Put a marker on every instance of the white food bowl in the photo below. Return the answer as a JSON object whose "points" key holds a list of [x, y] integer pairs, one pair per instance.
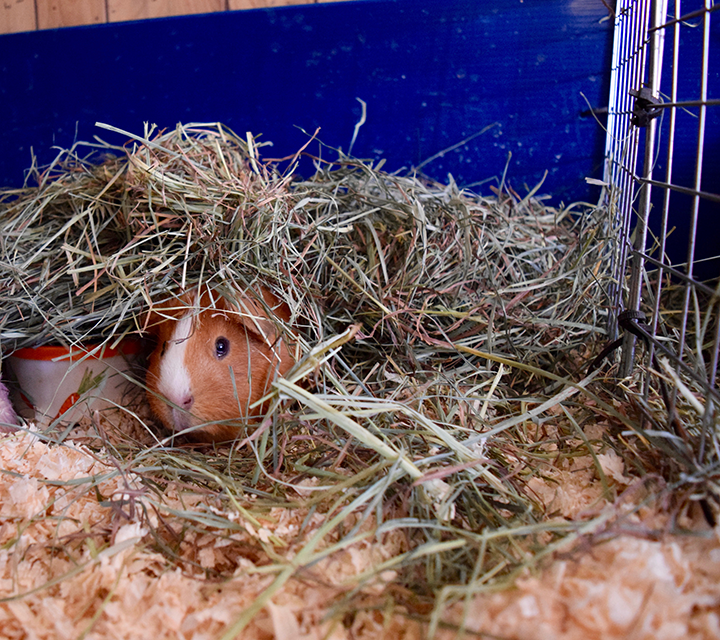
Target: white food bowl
{"points": [[63, 384]]}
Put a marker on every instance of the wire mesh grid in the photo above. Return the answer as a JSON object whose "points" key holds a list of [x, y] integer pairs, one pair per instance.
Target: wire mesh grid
{"points": [[663, 177]]}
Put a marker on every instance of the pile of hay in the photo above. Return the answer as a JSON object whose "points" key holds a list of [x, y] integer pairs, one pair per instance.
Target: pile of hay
{"points": [[415, 262], [426, 449]]}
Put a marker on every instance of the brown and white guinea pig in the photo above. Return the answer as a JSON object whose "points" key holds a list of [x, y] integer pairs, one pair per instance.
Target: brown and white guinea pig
{"points": [[214, 359]]}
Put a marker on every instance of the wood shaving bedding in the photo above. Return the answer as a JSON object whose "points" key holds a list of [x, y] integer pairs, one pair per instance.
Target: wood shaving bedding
{"points": [[78, 563]]}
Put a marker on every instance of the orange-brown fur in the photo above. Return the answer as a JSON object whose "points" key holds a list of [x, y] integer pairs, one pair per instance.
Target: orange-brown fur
{"points": [[258, 353]]}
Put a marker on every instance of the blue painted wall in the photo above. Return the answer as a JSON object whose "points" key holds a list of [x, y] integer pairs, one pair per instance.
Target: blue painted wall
{"points": [[685, 149], [432, 72]]}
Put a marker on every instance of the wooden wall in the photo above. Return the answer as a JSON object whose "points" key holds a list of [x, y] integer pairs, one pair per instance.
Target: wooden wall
{"points": [[31, 15]]}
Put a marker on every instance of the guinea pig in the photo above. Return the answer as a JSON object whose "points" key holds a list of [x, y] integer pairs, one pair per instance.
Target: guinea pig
{"points": [[214, 359]]}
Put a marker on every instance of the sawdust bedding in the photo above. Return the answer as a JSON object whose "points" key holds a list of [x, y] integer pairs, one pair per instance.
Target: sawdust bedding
{"points": [[80, 563]]}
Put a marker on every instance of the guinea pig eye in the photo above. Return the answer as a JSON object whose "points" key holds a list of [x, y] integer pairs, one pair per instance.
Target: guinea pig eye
{"points": [[222, 347]]}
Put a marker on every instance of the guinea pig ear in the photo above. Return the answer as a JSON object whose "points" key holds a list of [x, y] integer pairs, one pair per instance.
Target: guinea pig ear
{"points": [[251, 313], [254, 318]]}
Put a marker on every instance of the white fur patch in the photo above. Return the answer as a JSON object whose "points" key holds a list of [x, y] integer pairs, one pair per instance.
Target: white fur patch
{"points": [[174, 377]]}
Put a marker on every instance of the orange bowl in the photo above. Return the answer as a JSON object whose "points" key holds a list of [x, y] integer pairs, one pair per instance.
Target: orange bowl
{"points": [[63, 384]]}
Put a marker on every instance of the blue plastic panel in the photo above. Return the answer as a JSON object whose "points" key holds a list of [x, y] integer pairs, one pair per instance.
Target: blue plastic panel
{"points": [[432, 73]]}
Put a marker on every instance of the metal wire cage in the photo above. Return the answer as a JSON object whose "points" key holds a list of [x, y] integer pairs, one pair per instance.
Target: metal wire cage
{"points": [[662, 175]]}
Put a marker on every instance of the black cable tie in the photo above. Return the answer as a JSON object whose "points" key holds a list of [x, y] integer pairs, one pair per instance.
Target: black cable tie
{"points": [[633, 321], [645, 108], [627, 320]]}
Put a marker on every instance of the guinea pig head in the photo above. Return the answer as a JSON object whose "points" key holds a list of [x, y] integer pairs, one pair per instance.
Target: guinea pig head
{"points": [[214, 361]]}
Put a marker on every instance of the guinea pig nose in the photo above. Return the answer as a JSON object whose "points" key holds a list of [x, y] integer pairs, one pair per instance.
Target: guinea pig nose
{"points": [[187, 402]]}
